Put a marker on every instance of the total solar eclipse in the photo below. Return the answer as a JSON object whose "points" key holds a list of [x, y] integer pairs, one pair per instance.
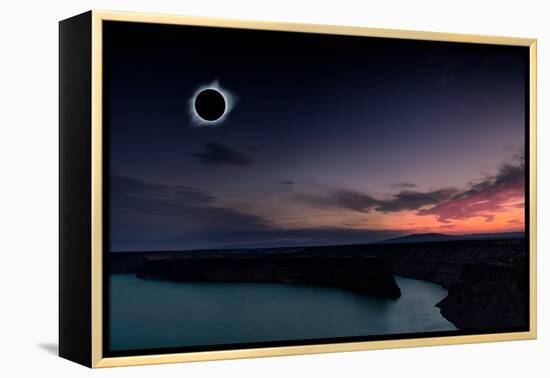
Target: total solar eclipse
{"points": [[210, 105]]}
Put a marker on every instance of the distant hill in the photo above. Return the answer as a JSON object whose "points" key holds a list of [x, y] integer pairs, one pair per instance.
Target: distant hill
{"points": [[435, 237]]}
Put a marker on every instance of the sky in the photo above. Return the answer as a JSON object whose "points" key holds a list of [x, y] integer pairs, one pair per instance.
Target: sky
{"points": [[327, 139]]}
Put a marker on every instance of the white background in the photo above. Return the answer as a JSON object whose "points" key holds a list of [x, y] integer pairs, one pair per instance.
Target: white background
{"points": [[29, 188]]}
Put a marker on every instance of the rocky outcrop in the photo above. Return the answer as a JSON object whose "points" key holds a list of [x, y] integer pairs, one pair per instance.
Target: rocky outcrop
{"points": [[367, 275], [487, 280], [487, 296]]}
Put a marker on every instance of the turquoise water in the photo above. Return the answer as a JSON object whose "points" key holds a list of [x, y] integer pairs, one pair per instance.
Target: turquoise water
{"points": [[155, 314]]}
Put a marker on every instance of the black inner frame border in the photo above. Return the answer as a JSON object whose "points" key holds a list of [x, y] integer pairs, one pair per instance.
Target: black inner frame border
{"points": [[298, 342]]}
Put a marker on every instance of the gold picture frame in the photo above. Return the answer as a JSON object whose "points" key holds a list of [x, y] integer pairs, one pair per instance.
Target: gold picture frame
{"points": [[97, 358]]}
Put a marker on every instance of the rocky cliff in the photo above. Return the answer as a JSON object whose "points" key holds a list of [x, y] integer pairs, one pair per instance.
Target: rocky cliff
{"points": [[487, 279], [488, 296], [367, 275]]}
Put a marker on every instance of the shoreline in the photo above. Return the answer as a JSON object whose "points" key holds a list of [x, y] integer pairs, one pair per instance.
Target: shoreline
{"points": [[485, 279]]}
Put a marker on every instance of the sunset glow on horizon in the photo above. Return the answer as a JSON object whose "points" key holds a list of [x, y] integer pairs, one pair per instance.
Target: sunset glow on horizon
{"points": [[495, 205]]}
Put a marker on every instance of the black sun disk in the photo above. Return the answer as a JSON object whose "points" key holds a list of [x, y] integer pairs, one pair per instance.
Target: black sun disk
{"points": [[210, 104]]}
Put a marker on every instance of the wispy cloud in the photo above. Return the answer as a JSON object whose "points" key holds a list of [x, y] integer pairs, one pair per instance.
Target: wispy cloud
{"points": [[286, 182], [145, 214], [150, 216], [413, 200], [219, 154], [357, 201], [483, 198], [403, 185], [342, 198]]}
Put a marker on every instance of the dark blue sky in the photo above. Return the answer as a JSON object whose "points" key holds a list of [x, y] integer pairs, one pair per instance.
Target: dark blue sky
{"points": [[331, 139]]}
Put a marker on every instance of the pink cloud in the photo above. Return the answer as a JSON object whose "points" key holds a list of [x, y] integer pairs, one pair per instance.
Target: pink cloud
{"points": [[484, 199]]}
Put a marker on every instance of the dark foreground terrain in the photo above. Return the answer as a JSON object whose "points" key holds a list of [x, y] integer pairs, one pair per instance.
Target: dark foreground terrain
{"points": [[486, 279]]}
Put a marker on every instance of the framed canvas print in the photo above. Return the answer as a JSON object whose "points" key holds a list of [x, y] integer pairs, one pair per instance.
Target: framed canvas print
{"points": [[234, 189]]}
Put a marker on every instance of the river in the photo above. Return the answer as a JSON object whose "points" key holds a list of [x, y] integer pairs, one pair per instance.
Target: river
{"points": [[155, 314]]}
